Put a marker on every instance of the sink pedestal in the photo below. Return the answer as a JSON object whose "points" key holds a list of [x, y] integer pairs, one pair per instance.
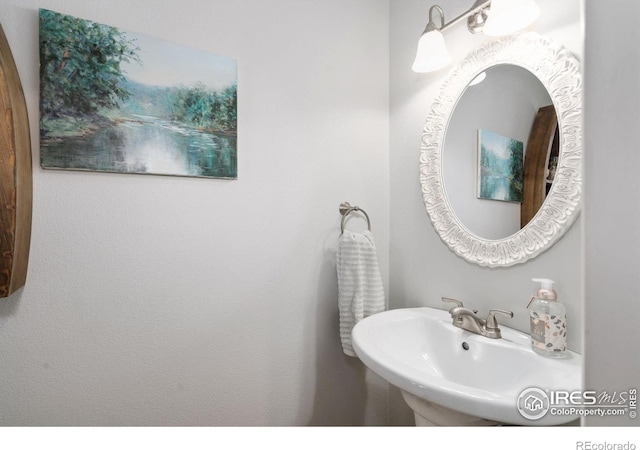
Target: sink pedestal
{"points": [[429, 414]]}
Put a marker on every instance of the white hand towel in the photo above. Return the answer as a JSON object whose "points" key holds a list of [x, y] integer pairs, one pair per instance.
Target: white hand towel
{"points": [[360, 289]]}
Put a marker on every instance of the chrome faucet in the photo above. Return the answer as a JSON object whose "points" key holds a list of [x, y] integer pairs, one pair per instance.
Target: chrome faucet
{"points": [[467, 320]]}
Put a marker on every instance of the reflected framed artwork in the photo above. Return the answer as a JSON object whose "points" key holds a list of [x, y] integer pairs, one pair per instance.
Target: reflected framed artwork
{"points": [[117, 101], [500, 167]]}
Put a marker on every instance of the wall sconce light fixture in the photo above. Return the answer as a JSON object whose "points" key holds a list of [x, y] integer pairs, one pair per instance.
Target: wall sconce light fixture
{"points": [[491, 17]]}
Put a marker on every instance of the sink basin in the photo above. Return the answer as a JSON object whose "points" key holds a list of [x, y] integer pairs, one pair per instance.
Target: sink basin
{"points": [[422, 353]]}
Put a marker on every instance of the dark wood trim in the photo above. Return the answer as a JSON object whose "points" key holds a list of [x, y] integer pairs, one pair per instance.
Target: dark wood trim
{"points": [[536, 160]]}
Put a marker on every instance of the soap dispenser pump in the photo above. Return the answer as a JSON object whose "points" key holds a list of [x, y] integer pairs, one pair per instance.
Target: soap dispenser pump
{"points": [[548, 321]]}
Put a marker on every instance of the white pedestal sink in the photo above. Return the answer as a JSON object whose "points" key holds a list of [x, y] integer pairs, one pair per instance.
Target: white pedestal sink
{"points": [[450, 376]]}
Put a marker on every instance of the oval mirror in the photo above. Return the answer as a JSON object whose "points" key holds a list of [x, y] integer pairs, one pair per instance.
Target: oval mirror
{"points": [[478, 167]]}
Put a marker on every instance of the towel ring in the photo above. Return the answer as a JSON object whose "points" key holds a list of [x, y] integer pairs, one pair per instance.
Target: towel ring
{"points": [[346, 209]]}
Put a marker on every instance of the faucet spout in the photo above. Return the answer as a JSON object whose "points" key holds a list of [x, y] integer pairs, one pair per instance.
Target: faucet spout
{"points": [[467, 320], [461, 311]]}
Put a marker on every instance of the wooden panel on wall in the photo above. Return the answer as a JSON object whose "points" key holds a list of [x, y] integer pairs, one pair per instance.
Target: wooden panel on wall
{"points": [[16, 186]]}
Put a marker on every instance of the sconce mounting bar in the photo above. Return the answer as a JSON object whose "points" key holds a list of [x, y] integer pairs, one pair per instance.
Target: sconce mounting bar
{"points": [[478, 6]]}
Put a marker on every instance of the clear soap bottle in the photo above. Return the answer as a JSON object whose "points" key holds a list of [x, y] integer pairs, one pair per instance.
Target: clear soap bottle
{"points": [[548, 321]]}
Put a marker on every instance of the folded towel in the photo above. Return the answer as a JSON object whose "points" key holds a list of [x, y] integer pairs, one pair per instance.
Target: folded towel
{"points": [[360, 289]]}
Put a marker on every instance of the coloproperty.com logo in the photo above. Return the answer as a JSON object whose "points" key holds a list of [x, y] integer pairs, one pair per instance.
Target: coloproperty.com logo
{"points": [[535, 403]]}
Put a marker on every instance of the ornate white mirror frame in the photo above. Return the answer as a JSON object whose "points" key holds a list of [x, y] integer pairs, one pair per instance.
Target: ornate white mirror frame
{"points": [[559, 72]]}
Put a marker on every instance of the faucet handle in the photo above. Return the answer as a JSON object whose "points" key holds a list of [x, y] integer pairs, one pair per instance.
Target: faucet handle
{"points": [[492, 323], [457, 303]]}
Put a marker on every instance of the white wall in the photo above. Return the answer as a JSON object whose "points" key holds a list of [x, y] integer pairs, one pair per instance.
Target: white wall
{"points": [[612, 209], [423, 269], [154, 300]]}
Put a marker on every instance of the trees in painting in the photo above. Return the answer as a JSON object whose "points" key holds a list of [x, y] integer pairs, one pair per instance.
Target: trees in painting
{"points": [[82, 78], [203, 108], [80, 65]]}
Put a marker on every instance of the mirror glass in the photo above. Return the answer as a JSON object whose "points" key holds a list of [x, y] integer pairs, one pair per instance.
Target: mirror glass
{"points": [[487, 198], [524, 73]]}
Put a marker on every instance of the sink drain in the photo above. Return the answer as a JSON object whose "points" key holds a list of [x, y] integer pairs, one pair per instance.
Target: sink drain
{"points": [[465, 346]]}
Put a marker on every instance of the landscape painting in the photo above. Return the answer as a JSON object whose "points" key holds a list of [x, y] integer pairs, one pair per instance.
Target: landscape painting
{"points": [[500, 167], [116, 101]]}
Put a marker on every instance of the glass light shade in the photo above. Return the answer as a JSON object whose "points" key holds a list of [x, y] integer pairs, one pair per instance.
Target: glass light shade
{"points": [[509, 16], [432, 53]]}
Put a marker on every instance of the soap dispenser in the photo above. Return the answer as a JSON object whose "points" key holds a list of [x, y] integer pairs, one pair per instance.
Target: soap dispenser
{"points": [[548, 321]]}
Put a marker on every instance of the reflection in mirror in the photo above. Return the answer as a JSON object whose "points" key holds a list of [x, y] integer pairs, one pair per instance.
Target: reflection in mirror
{"points": [[558, 72], [541, 162], [506, 103]]}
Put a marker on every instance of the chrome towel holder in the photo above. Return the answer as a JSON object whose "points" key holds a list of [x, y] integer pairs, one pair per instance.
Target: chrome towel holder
{"points": [[346, 209]]}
